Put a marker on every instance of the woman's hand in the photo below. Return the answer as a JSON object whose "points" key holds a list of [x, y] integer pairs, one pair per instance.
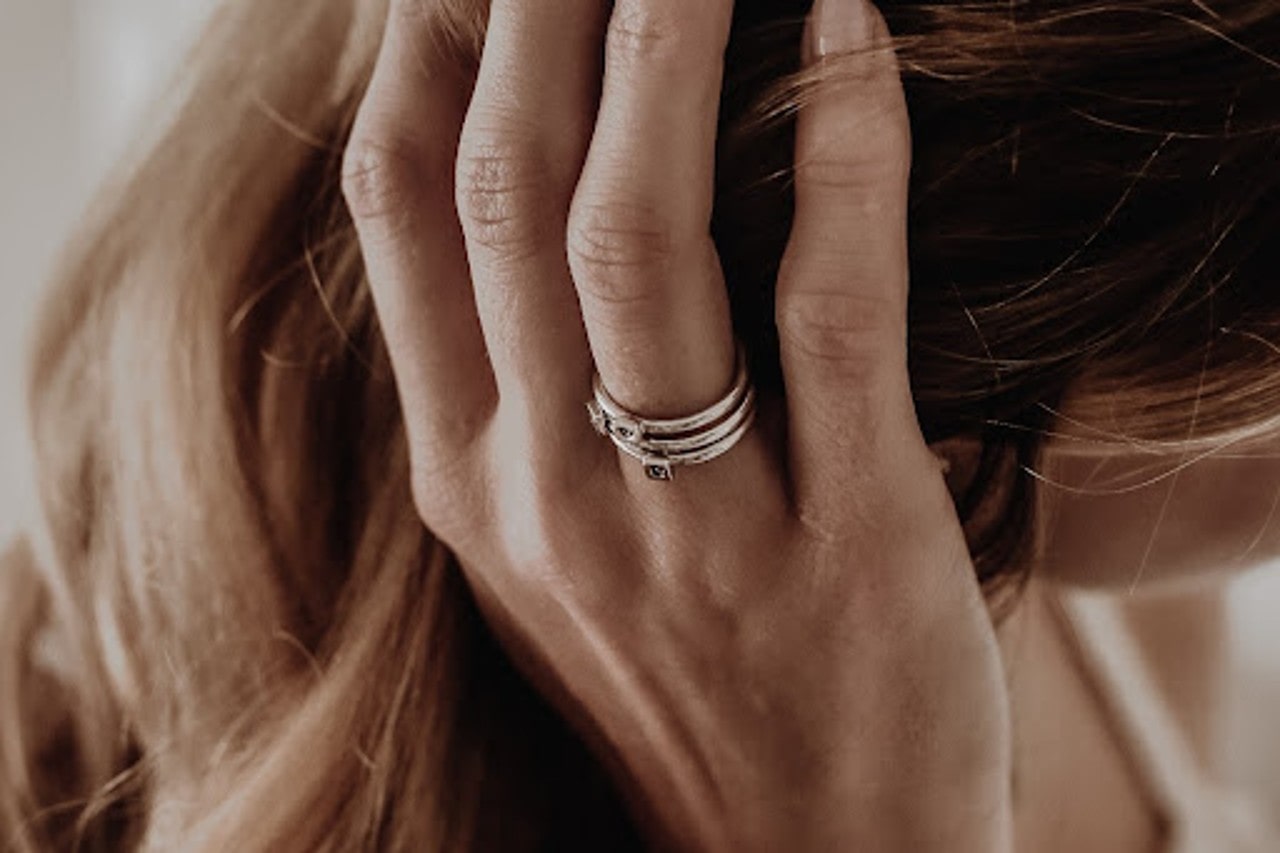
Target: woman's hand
{"points": [[784, 648]]}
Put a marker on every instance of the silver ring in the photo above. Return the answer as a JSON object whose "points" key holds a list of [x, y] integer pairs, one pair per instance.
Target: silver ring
{"points": [[663, 443]]}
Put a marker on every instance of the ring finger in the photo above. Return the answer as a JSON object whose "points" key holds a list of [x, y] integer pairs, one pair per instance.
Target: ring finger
{"points": [[649, 280]]}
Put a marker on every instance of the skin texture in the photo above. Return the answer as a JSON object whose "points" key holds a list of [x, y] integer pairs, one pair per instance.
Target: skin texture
{"points": [[1162, 531], [713, 638], [1167, 519], [1075, 786]]}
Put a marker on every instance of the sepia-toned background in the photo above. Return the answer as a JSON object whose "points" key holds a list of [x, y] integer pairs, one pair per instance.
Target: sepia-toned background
{"points": [[75, 77]]}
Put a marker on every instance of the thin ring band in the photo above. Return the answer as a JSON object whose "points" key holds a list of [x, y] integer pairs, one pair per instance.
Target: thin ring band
{"points": [[675, 426], [678, 446], [695, 457], [660, 444]]}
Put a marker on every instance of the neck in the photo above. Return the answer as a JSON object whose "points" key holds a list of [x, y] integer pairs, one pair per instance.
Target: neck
{"points": [[1076, 785]]}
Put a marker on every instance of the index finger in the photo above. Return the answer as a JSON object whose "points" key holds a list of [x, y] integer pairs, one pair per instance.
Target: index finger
{"points": [[398, 181]]}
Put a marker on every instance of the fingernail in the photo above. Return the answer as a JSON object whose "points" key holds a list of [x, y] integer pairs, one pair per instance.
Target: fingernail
{"points": [[839, 26]]}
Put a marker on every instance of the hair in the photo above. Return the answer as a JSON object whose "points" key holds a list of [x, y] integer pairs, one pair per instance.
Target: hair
{"points": [[230, 631]]}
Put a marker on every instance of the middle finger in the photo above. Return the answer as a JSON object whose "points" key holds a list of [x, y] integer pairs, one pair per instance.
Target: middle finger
{"points": [[522, 148]]}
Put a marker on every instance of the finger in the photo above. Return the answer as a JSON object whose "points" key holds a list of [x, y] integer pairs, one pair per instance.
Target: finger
{"points": [[397, 178], [523, 146], [652, 291], [842, 289]]}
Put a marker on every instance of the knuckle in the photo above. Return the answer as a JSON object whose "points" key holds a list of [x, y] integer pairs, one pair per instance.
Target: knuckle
{"points": [[869, 148], [639, 33], [617, 250], [384, 174], [443, 457], [503, 189], [843, 335], [452, 506], [854, 169], [530, 520], [547, 548], [831, 170]]}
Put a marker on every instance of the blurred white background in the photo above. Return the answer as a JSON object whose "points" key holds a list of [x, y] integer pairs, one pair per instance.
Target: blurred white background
{"points": [[74, 76]]}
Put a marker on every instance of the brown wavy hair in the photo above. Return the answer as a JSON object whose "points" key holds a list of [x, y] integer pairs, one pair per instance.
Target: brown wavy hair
{"points": [[229, 630]]}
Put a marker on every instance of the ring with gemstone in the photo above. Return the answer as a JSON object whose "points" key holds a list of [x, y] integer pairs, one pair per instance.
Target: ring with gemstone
{"points": [[661, 444]]}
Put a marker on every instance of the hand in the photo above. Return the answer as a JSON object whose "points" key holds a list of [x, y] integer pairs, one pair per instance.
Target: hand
{"points": [[785, 648]]}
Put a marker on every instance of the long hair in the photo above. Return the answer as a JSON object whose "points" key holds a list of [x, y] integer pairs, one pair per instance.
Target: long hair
{"points": [[229, 630]]}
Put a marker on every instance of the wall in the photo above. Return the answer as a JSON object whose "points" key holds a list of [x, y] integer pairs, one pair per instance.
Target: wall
{"points": [[74, 74]]}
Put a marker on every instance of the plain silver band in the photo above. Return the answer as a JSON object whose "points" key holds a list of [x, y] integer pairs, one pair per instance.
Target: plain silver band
{"points": [[673, 447], [655, 427]]}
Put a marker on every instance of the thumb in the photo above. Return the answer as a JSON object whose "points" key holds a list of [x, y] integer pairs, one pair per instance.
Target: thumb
{"points": [[842, 287]]}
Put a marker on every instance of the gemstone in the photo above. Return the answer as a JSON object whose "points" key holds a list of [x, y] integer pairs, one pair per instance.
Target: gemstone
{"points": [[624, 429], [659, 471], [598, 419]]}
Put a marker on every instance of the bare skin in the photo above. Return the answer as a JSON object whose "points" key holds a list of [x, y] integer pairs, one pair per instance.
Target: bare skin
{"points": [[1183, 515], [786, 648], [1076, 788], [715, 637], [1163, 535], [1079, 789]]}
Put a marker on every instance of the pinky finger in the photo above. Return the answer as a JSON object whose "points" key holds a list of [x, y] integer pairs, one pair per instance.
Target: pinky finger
{"points": [[842, 289]]}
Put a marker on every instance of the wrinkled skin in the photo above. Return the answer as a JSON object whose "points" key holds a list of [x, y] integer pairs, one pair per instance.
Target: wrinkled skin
{"points": [[784, 648]]}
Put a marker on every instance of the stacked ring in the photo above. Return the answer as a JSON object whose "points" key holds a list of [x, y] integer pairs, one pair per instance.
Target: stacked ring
{"points": [[663, 443]]}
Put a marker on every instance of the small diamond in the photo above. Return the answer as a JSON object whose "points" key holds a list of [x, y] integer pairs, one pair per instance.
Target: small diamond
{"points": [[598, 419], [624, 429], [659, 471]]}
